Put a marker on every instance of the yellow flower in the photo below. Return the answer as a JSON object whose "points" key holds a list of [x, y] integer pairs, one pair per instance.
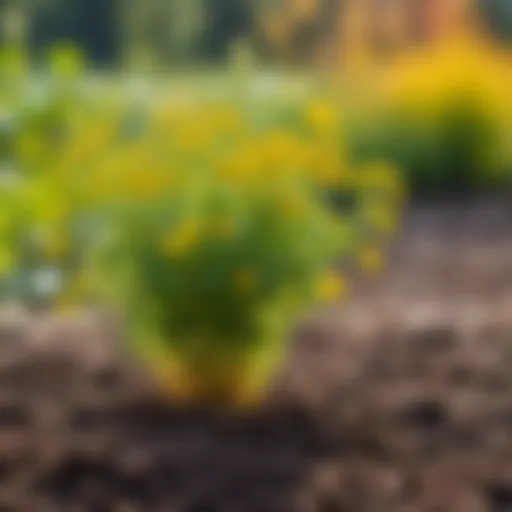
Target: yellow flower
{"points": [[322, 116], [246, 280], [107, 178], [180, 241], [193, 136], [329, 169], [280, 148], [371, 260], [145, 183], [226, 119], [331, 287], [164, 116]]}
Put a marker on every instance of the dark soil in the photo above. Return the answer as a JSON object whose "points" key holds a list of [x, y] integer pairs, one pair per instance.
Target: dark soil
{"points": [[399, 401]]}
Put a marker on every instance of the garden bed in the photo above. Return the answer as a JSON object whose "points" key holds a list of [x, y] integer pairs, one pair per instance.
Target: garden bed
{"points": [[400, 400]]}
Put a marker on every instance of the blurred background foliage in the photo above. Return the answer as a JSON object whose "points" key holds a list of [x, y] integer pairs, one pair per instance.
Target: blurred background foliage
{"points": [[202, 30], [464, 146]]}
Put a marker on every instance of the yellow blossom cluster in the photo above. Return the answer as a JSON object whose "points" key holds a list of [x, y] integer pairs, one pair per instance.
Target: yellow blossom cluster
{"points": [[444, 114], [211, 225]]}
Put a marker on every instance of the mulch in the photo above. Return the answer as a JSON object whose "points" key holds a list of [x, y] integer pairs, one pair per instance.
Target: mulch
{"points": [[400, 400]]}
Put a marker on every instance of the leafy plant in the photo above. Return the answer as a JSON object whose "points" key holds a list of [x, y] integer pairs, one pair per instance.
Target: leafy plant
{"points": [[213, 226], [218, 239]]}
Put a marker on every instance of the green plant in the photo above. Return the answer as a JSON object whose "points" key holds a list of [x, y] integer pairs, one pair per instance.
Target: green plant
{"points": [[209, 224], [217, 241]]}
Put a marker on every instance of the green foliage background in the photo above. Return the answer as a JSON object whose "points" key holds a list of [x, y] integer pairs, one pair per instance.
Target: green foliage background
{"points": [[178, 30]]}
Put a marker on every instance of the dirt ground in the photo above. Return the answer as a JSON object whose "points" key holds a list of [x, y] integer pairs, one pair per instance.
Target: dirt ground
{"points": [[400, 400]]}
